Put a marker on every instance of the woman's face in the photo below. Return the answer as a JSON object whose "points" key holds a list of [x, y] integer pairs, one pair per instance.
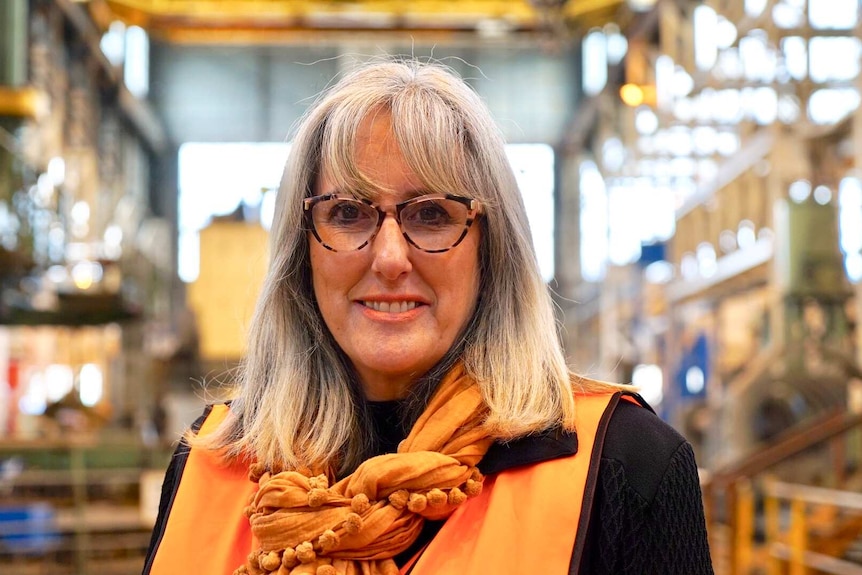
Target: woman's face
{"points": [[392, 308]]}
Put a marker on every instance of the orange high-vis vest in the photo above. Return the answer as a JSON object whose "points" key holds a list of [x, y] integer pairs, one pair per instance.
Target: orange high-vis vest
{"points": [[207, 531], [529, 519]]}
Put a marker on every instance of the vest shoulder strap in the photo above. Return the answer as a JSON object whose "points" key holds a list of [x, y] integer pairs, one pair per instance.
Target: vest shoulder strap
{"points": [[206, 530], [530, 519]]}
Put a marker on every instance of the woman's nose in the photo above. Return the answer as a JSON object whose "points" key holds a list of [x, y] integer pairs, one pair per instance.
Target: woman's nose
{"points": [[391, 251]]}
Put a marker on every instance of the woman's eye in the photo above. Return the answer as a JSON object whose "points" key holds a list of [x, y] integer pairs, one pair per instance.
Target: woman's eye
{"points": [[345, 212], [431, 214]]}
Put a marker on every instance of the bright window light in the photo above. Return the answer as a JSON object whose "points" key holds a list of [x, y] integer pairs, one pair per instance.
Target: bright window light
{"points": [[705, 37], [853, 265], [639, 212], [213, 180], [799, 191], [682, 167], [760, 104], [788, 108], [659, 272], [593, 222], [646, 121], [754, 8], [677, 141], [688, 266], [641, 5], [695, 380], [646, 145], [834, 59], [595, 62], [90, 384], [664, 81], [788, 16], [705, 140], [831, 105], [267, 208], [727, 143], [729, 66], [613, 154], [136, 70], [726, 33], [623, 220], [850, 194], [617, 44], [850, 215], [113, 43], [707, 262], [57, 170], [650, 381], [34, 400], [189, 255], [534, 169], [707, 170], [745, 234], [795, 52], [59, 380], [683, 83], [758, 60], [822, 195], [725, 106], [833, 14]]}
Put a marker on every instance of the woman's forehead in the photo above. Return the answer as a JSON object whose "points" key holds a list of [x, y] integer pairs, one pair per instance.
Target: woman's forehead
{"points": [[380, 186], [355, 145]]}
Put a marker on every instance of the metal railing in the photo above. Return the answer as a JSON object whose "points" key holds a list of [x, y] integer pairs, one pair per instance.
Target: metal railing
{"points": [[759, 524], [788, 535]]}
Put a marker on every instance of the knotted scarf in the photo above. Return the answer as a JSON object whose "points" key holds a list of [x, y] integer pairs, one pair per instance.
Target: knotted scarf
{"points": [[305, 526]]}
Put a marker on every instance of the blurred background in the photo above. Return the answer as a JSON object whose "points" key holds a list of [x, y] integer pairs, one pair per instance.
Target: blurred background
{"points": [[692, 173]]}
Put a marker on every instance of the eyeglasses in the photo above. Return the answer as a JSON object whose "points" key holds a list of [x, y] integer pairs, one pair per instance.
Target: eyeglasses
{"points": [[434, 223]]}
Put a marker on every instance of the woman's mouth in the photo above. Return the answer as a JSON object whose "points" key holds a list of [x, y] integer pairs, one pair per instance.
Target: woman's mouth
{"points": [[390, 306]]}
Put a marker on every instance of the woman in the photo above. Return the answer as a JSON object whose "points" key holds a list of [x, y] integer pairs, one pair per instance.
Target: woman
{"points": [[405, 405]]}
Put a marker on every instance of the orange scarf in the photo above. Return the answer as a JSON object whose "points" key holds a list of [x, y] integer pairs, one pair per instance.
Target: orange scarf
{"points": [[356, 526]]}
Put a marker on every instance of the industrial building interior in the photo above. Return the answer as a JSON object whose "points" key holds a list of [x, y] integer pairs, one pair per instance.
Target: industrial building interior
{"points": [[694, 171]]}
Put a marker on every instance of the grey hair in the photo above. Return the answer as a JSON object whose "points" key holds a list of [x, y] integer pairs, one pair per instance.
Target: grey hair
{"points": [[297, 403]]}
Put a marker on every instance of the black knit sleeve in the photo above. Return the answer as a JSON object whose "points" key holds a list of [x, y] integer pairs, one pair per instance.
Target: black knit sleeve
{"points": [[647, 517]]}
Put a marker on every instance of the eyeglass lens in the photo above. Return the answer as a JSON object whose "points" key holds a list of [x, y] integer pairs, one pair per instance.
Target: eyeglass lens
{"points": [[431, 224]]}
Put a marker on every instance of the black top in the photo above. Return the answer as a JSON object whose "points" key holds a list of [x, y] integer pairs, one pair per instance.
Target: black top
{"points": [[647, 516], [648, 512]]}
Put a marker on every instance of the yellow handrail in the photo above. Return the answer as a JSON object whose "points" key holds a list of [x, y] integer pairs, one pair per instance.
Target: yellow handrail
{"points": [[791, 545], [730, 494], [798, 537], [744, 533]]}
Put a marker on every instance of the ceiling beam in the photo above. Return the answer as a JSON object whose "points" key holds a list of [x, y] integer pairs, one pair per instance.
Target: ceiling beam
{"points": [[267, 21]]}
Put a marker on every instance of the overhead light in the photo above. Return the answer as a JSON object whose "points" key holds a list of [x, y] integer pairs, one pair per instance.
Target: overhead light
{"points": [[493, 27], [635, 95], [641, 5], [632, 95]]}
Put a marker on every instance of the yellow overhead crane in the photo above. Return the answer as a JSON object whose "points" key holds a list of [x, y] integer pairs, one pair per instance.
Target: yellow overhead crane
{"points": [[266, 21]]}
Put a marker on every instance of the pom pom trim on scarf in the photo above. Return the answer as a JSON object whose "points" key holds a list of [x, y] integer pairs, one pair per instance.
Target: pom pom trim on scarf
{"points": [[306, 526]]}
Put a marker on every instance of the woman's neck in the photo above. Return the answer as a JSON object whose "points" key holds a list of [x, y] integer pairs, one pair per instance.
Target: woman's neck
{"points": [[386, 425]]}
